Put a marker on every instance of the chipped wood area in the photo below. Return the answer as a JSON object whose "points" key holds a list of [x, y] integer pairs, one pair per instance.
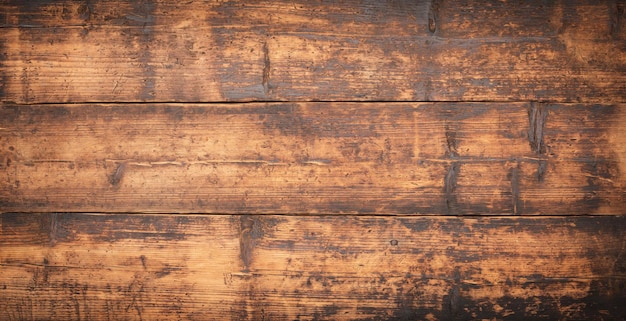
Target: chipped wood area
{"points": [[307, 160], [133, 267], [463, 50], [389, 158]]}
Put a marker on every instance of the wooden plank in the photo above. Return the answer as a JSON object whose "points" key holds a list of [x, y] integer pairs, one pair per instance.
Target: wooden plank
{"points": [[354, 158], [159, 51], [162, 267]]}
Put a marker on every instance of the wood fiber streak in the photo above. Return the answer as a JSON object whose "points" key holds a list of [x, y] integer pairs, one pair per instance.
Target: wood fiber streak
{"points": [[148, 267], [121, 51], [402, 158]]}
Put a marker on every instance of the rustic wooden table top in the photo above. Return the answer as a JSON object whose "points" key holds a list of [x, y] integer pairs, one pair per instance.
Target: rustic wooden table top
{"points": [[309, 160]]}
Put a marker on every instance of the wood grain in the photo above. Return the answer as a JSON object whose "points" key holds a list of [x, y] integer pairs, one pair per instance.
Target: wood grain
{"points": [[352, 158], [163, 267], [215, 51], [412, 160]]}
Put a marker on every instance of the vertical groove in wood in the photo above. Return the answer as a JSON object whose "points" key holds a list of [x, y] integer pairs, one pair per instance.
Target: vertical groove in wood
{"points": [[537, 116]]}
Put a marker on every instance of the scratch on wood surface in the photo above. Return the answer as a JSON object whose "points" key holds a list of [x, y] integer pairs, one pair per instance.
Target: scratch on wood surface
{"points": [[320, 162], [210, 162], [266, 69], [514, 178]]}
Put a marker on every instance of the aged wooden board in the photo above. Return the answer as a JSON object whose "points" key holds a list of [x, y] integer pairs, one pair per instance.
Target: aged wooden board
{"points": [[162, 267], [122, 51], [379, 158]]}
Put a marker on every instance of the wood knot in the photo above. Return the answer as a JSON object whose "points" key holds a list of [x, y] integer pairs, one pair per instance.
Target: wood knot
{"points": [[117, 175], [432, 16]]}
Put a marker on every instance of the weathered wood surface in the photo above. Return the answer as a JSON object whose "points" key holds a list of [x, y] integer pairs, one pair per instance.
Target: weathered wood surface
{"points": [[378, 158], [529, 119], [298, 50], [155, 267]]}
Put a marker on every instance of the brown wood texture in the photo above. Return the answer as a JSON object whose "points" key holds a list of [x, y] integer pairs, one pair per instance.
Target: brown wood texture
{"points": [[352, 158], [312, 160], [296, 50], [162, 267]]}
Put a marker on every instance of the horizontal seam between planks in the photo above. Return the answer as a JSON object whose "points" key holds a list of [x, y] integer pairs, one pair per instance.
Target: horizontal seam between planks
{"points": [[429, 216], [609, 101]]}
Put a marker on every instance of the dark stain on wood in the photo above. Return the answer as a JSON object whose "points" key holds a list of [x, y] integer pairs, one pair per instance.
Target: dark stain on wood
{"points": [[4, 78], [116, 177], [176, 113], [605, 296], [9, 112], [452, 304], [449, 188], [451, 148], [25, 229], [541, 170], [615, 23], [251, 231], [408, 306], [53, 229], [537, 116], [166, 271], [142, 20], [514, 178], [433, 16], [310, 121], [84, 11], [267, 69], [60, 112], [103, 228]]}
